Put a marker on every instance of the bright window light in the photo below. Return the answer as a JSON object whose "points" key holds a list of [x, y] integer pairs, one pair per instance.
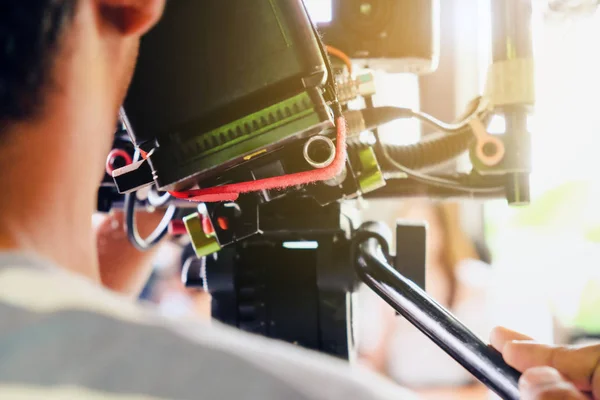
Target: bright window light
{"points": [[320, 10], [497, 125], [301, 245], [562, 225], [399, 90]]}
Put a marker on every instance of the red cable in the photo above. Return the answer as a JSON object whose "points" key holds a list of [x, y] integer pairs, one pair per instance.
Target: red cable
{"points": [[232, 191], [177, 228], [113, 155]]}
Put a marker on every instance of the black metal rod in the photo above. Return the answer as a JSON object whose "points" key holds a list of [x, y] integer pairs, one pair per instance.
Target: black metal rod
{"points": [[481, 360], [512, 38], [396, 188]]}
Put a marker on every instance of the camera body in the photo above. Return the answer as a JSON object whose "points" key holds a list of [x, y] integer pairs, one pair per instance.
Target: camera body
{"points": [[218, 84], [392, 35], [230, 93], [241, 81]]}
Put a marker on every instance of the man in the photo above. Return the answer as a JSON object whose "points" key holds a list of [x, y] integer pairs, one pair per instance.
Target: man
{"points": [[64, 69], [65, 66]]}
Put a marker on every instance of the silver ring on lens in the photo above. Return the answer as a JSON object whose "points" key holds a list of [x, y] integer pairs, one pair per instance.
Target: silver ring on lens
{"points": [[319, 151]]}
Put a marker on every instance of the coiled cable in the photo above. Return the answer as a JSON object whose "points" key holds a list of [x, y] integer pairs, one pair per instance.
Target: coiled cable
{"points": [[424, 154], [409, 159]]}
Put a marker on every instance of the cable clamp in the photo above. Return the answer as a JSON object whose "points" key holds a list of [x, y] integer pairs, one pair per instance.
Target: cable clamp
{"points": [[490, 150]]}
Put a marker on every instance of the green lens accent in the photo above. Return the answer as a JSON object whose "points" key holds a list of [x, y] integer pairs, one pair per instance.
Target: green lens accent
{"points": [[203, 244], [371, 177], [251, 126]]}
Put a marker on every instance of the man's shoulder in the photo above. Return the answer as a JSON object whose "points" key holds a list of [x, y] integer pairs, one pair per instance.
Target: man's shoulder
{"points": [[57, 330]]}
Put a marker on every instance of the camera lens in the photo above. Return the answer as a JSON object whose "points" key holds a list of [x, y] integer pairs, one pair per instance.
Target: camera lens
{"points": [[368, 18]]}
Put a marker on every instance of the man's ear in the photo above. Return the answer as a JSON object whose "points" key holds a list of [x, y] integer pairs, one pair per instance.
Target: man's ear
{"points": [[131, 17]]}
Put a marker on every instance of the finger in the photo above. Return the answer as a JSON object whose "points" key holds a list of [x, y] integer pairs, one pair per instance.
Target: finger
{"points": [[500, 336], [577, 364], [545, 383], [523, 355]]}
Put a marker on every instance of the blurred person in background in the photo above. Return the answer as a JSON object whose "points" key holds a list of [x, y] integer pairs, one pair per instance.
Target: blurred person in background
{"points": [[456, 278]]}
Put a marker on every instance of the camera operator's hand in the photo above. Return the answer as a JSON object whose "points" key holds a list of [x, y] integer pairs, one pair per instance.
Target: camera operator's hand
{"points": [[551, 372], [123, 268]]}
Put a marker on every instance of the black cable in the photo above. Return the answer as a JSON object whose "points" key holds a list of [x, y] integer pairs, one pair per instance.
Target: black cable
{"points": [[434, 180], [331, 84], [387, 114], [427, 153], [132, 232], [402, 187], [432, 152], [377, 116], [424, 154]]}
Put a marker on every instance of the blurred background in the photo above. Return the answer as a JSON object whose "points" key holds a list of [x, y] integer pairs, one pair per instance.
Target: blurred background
{"points": [[534, 269]]}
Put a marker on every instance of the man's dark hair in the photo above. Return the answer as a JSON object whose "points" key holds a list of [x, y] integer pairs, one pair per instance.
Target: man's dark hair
{"points": [[30, 32]]}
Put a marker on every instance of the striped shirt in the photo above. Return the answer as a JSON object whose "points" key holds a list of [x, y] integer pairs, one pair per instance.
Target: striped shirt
{"points": [[63, 337]]}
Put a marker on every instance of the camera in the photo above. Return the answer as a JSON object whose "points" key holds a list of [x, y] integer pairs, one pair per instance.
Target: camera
{"points": [[241, 121], [242, 80], [390, 35]]}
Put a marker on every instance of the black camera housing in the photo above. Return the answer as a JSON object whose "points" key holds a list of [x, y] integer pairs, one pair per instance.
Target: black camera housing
{"points": [[393, 35], [221, 82]]}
